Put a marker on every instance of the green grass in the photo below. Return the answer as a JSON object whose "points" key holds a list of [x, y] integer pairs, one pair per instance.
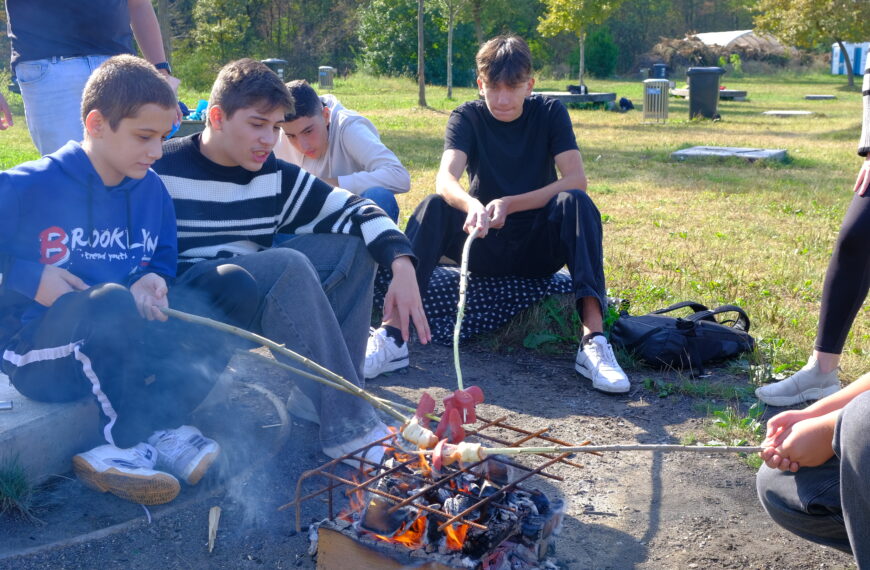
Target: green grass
{"points": [[758, 235], [16, 492]]}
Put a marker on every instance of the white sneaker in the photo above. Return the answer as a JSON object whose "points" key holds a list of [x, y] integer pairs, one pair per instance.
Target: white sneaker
{"points": [[808, 383], [185, 452], [596, 361], [126, 473], [299, 405], [373, 454], [383, 355]]}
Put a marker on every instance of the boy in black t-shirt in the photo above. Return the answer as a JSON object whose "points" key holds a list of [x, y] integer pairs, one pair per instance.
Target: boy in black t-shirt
{"points": [[532, 219]]}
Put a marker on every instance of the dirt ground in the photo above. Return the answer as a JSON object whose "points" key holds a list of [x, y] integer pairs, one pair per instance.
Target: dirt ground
{"points": [[627, 510]]}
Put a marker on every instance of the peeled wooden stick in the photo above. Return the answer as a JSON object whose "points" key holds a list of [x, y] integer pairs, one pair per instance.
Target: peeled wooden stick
{"points": [[280, 348], [467, 452], [460, 308]]}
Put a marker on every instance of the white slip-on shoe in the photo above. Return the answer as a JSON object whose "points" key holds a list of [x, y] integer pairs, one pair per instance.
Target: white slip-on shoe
{"points": [[597, 362], [373, 454], [808, 383]]}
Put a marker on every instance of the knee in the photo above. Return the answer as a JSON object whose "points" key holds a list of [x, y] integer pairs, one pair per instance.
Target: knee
{"points": [[769, 485], [110, 298], [854, 425]]}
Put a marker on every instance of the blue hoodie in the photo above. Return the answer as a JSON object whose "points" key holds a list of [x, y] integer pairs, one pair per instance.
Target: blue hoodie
{"points": [[56, 210]]}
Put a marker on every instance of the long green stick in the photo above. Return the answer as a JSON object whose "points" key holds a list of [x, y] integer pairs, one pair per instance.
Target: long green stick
{"points": [[487, 451], [281, 349], [460, 308]]}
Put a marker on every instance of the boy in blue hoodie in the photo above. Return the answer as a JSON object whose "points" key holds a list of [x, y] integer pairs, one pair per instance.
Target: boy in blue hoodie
{"points": [[87, 253]]}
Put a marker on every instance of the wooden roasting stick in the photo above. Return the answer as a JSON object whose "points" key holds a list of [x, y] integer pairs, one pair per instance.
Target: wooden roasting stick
{"points": [[460, 308]]}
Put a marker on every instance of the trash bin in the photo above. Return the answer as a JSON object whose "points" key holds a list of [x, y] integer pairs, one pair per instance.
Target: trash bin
{"points": [[655, 99], [276, 65], [659, 71], [325, 74], [704, 91]]}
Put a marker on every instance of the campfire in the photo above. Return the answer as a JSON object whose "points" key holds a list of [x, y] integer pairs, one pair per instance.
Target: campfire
{"points": [[413, 510]]}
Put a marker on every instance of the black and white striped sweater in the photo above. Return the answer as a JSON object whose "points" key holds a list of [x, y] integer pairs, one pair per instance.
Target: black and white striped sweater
{"points": [[227, 211]]}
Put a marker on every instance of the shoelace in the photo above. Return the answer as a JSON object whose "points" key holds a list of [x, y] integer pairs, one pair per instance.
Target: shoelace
{"points": [[604, 352], [141, 454]]}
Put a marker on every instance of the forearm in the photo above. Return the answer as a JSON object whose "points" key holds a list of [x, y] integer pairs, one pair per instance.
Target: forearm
{"points": [[146, 30], [449, 188], [393, 177], [539, 198], [838, 400]]}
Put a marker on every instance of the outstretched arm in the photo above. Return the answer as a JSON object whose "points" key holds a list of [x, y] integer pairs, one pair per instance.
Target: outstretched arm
{"points": [[5, 114], [402, 303], [447, 185]]}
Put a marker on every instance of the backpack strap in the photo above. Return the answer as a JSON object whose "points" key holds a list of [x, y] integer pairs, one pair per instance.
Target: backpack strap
{"points": [[697, 307], [741, 322]]}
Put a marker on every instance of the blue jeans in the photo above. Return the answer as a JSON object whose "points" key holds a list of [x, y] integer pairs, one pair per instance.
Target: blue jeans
{"points": [[52, 93], [385, 199], [809, 503], [314, 294]]}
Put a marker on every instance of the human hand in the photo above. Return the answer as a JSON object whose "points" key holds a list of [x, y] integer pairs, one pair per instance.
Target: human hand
{"points": [[5, 114], [478, 217], [863, 180], [402, 303], [497, 210], [55, 282], [149, 292], [807, 443]]}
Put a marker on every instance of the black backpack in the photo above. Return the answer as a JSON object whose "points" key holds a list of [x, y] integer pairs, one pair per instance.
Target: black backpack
{"points": [[687, 342]]}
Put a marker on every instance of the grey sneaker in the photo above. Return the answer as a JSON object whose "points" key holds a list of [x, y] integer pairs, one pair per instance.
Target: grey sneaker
{"points": [[383, 354], [596, 361], [299, 405], [805, 385], [184, 452], [126, 473]]}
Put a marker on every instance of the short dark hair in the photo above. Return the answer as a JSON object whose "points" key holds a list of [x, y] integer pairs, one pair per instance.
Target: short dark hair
{"points": [[249, 83], [305, 98], [121, 86], [504, 59]]}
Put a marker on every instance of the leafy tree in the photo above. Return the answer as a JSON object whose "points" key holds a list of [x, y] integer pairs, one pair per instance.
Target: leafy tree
{"points": [[601, 56], [809, 23], [222, 28], [575, 16]]}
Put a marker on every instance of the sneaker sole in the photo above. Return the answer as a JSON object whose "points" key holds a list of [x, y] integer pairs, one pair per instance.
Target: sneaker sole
{"points": [[805, 396], [197, 472], [607, 388], [391, 367], [154, 489]]}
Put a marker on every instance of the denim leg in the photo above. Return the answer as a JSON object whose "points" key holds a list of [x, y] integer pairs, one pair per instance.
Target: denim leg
{"points": [[853, 448], [52, 94], [385, 199], [806, 503], [295, 310]]}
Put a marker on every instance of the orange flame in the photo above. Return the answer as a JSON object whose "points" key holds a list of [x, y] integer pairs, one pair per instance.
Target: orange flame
{"points": [[355, 503], [425, 468], [411, 538], [456, 536]]}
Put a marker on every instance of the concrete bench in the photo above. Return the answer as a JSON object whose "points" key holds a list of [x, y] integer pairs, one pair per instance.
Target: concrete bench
{"points": [[724, 94], [567, 97], [720, 152]]}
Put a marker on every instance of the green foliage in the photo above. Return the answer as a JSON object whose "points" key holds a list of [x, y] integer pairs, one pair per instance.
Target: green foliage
{"points": [[16, 492], [736, 64], [731, 427], [810, 23], [388, 32], [601, 53], [558, 323]]}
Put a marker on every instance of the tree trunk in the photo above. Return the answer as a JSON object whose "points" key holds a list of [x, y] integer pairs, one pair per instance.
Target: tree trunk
{"points": [[450, 18], [165, 28], [848, 61], [478, 24], [582, 36], [421, 55]]}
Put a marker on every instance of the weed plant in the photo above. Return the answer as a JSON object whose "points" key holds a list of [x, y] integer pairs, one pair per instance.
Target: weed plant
{"points": [[16, 492]]}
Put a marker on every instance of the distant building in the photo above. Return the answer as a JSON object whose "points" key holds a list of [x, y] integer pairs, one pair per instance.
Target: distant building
{"points": [[857, 55], [743, 39]]}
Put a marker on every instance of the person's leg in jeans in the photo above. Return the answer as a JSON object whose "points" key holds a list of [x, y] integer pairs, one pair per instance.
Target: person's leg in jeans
{"points": [[852, 446], [806, 503], [295, 310], [385, 199], [52, 93]]}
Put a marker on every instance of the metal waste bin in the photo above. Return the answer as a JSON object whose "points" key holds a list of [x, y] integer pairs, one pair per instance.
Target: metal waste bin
{"points": [[276, 65], [325, 74], [704, 91], [655, 99], [659, 71]]}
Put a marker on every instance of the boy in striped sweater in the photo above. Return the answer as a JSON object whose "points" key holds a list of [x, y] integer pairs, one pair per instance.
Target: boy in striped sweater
{"points": [[232, 197]]}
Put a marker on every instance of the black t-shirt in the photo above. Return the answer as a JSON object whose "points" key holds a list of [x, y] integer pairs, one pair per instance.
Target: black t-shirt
{"points": [[40, 29], [506, 159]]}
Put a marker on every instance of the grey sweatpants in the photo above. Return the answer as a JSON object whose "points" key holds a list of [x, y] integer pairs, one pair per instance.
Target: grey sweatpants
{"points": [[828, 504]]}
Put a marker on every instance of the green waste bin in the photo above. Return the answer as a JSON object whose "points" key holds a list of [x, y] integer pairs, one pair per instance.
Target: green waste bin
{"points": [[704, 91], [276, 65]]}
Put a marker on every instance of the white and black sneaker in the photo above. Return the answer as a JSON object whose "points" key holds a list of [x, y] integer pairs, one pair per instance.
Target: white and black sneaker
{"points": [[185, 452], [126, 473], [596, 361], [383, 354]]}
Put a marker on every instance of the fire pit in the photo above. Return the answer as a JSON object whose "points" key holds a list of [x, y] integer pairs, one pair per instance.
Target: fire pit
{"points": [[401, 512]]}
